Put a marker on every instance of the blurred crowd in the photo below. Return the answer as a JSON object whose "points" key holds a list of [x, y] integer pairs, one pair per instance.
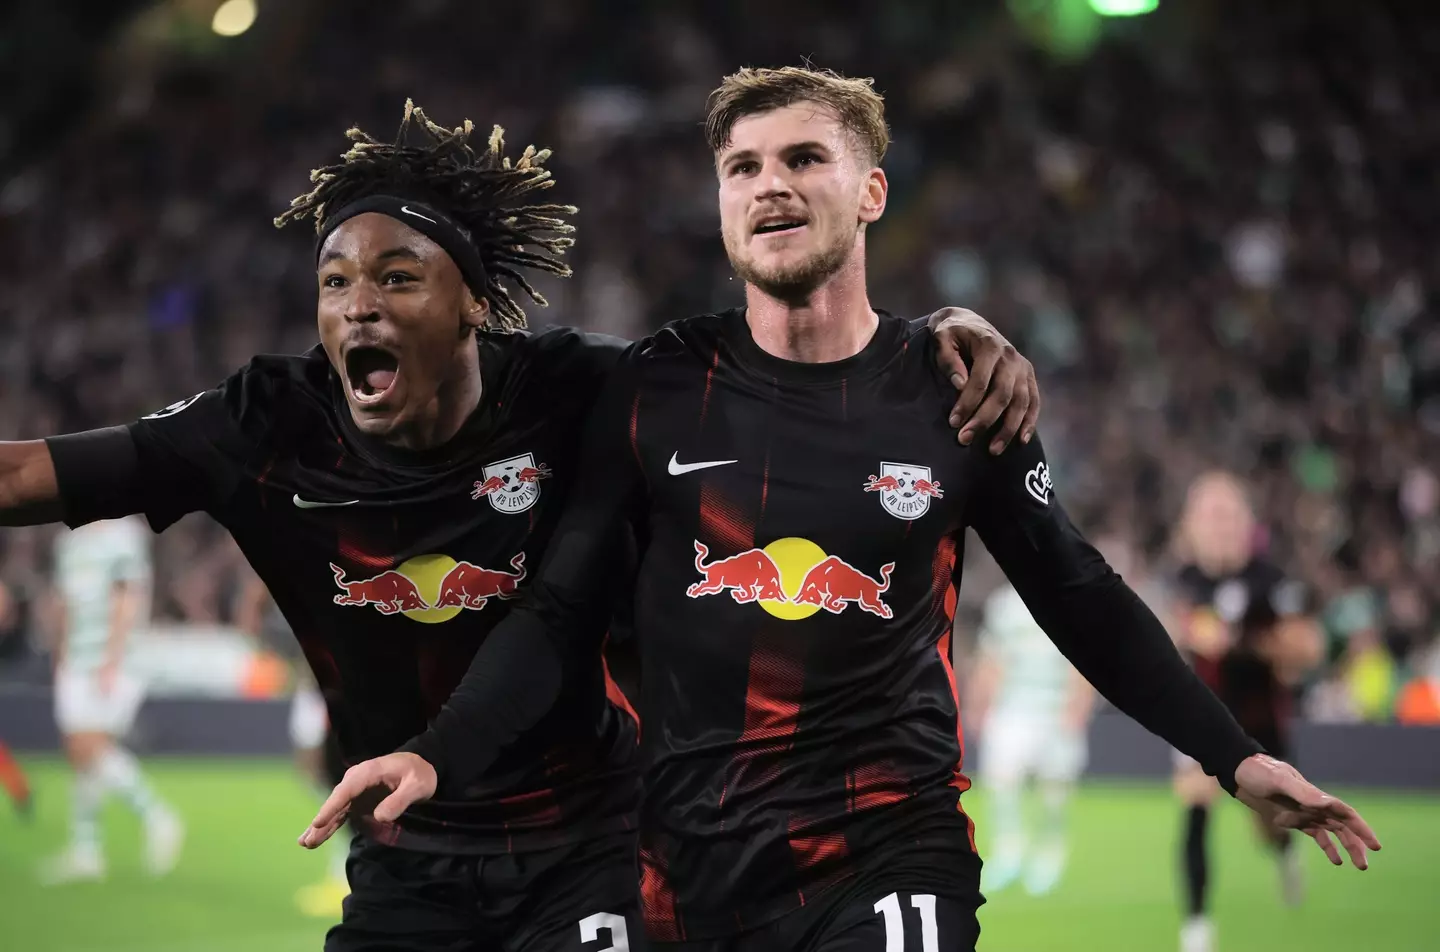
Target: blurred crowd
{"points": [[1215, 235]]}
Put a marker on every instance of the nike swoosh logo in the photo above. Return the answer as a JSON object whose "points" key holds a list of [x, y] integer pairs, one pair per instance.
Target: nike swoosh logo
{"points": [[678, 468], [406, 210], [307, 504]]}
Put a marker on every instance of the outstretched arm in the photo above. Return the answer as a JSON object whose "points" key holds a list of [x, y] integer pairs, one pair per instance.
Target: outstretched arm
{"points": [[1094, 618], [29, 492], [185, 458], [1122, 649]]}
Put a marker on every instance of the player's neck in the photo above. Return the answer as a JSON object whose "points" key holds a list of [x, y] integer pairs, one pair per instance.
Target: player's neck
{"points": [[455, 400], [830, 323]]}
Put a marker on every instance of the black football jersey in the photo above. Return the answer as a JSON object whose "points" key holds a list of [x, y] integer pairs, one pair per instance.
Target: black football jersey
{"points": [[391, 567], [801, 530], [1229, 612], [1244, 602]]}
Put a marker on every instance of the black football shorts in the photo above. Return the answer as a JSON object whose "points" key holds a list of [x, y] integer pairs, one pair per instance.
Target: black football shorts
{"points": [[580, 897], [899, 903]]}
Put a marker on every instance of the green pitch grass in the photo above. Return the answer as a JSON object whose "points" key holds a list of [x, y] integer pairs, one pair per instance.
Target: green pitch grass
{"points": [[234, 889]]}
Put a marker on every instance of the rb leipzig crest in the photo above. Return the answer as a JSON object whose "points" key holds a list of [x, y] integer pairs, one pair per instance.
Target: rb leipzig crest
{"points": [[905, 490], [512, 485]]}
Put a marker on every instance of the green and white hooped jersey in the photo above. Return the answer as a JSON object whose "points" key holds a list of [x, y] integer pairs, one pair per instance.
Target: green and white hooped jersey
{"points": [[1035, 677], [89, 563]]}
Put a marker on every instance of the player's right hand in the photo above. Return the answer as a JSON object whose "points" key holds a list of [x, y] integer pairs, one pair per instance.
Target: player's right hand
{"points": [[408, 777]]}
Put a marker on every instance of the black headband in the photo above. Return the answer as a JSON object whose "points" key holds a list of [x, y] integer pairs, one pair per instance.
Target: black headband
{"points": [[423, 218]]}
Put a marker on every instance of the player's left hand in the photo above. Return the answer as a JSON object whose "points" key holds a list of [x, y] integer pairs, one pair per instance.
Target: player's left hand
{"points": [[998, 380], [1285, 799], [408, 777]]}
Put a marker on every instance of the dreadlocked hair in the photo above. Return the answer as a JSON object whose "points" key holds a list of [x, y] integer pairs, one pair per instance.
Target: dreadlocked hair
{"points": [[478, 190]]}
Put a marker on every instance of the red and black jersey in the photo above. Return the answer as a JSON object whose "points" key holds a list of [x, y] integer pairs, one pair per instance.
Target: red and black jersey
{"points": [[1244, 603], [800, 530], [392, 567], [793, 615]]}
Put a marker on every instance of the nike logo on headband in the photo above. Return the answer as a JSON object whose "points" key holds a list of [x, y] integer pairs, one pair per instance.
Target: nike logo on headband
{"points": [[406, 210]]}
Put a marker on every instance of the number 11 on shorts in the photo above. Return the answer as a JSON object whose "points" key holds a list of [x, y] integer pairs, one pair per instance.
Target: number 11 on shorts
{"points": [[889, 907]]}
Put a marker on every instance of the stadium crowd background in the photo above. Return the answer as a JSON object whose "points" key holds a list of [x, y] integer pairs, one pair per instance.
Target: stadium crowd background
{"points": [[1215, 234]]}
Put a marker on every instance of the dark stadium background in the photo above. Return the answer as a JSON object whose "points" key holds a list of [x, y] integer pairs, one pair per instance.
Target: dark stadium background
{"points": [[1213, 228]]}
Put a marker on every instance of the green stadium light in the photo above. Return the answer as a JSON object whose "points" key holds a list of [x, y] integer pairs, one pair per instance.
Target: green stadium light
{"points": [[1123, 8]]}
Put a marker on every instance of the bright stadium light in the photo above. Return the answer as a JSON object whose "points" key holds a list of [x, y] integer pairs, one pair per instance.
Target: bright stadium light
{"points": [[1123, 8], [233, 17]]}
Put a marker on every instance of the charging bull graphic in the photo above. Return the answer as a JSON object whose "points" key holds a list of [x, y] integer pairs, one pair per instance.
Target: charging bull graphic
{"points": [[791, 578], [470, 586], [431, 588]]}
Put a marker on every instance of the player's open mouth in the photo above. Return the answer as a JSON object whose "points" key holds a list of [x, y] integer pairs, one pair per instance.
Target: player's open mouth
{"points": [[780, 227], [372, 371]]}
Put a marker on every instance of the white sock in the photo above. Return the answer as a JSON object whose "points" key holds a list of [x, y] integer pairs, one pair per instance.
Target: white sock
{"points": [[85, 799], [1054, 796], [1007, 813], [121, 775]]}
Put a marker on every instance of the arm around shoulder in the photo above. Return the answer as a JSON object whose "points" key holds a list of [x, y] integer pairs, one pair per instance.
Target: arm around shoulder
{"points": [[1094, 618]]}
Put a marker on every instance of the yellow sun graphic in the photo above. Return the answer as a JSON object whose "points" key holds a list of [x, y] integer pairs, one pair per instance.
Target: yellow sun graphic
{"points": [[427, 572], [794, 557]]}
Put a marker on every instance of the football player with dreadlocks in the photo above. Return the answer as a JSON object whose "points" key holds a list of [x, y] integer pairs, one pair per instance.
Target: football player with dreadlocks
{"points": [[393, 488]]}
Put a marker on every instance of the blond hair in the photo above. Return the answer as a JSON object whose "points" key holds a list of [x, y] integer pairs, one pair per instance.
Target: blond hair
{"points": [[745, 92]]}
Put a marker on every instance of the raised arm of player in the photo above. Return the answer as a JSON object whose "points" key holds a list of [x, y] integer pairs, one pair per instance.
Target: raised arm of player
{"points": [[82, 477], [184, 458], [519, 671], [29, 494], [1116, 642]]}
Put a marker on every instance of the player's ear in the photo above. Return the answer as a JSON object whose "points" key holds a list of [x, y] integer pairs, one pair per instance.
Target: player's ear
{"points": [[474, 313], [875, 188]]}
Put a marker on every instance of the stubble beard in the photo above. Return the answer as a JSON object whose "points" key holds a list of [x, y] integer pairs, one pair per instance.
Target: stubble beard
{"points": [[794, 282]]}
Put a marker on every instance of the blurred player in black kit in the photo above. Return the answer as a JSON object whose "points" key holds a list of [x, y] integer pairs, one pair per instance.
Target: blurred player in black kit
{"points": [[394, 488], [800, 503], [1244, 624]]}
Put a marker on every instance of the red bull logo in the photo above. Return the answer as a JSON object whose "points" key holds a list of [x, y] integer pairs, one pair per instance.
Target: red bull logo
{"points": [[791, 578], [470, 586], [835, 583], [389, 592], [750, 576], [430, 588]]}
